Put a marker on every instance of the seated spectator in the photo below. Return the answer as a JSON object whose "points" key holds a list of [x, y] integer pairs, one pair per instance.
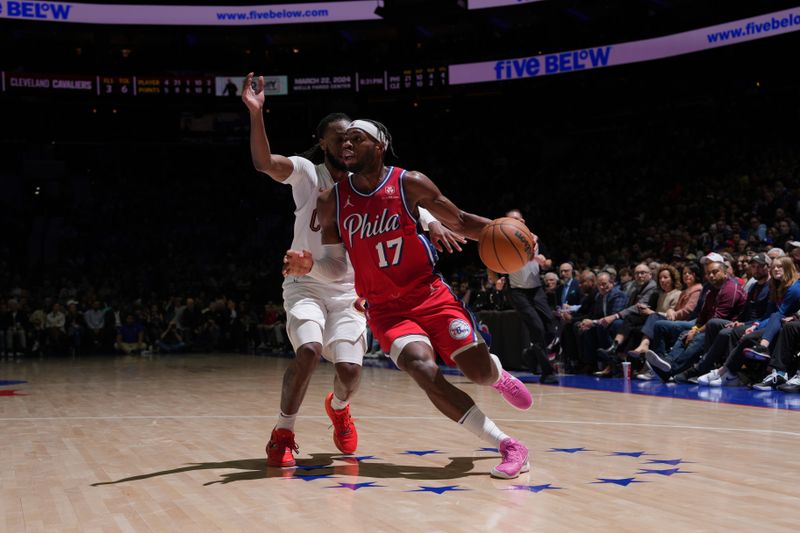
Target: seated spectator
{"points": [[774, 253], [154, 324], [272, 329], [722, 336], [95, 320], [594, 333], [74, 327], [687, 302], [568, 294], [785, 234], [248, 321], [625, 281], [16, 329], [54, 326], [170, 341], [486, 296], [551, 289], [189, 321], [725, 300], [784, 294], [666, 299], [130, 336], [37, 321], [569, 332], [641, 298]]}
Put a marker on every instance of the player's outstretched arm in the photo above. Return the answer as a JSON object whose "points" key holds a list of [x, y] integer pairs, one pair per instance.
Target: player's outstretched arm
{"points": [[276, 166], [421, 191]]}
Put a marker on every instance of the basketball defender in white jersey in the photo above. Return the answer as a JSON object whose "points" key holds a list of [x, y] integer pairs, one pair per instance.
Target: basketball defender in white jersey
{"points": [[322, 318]]}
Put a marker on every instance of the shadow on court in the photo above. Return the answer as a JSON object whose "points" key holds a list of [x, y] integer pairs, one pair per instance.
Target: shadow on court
{"points": [[323, 465]]}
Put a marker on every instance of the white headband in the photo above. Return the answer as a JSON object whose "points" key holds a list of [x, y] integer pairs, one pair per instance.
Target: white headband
{"points": [[370, 129]]}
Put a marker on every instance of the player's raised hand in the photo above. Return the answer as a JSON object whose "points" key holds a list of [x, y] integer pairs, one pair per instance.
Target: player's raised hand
{"points": [[253, 98], [297, 263], [444, 238]]}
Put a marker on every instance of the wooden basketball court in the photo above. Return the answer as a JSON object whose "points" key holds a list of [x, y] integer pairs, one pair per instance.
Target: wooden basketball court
{"points": [[177, 444]]}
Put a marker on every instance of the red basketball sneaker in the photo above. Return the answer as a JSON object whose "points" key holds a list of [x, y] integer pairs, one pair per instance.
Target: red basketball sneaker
{"points": [[345, 436], [280, 447]]}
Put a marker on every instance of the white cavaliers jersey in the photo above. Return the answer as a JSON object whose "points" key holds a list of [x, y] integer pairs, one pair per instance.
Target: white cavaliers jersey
{"points": [[308, 181]]}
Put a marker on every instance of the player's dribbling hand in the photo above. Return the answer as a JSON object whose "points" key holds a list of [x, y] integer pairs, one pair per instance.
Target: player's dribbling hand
{"points": [[297, 263], [253, 98], [444, 238]]}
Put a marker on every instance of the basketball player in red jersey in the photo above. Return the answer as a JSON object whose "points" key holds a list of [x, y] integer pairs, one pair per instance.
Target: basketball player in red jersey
{"points": [[321, 318], [414, 314]]}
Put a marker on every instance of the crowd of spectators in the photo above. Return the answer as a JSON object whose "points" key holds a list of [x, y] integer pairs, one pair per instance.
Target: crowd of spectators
{"points": [[88, 324]]}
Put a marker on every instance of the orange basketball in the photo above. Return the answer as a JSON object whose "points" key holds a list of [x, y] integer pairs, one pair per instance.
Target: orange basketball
{"points": [[506, 245]]}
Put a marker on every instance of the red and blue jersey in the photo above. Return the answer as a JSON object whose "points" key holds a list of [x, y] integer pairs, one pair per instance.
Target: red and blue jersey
{"points": [[391, 258]]}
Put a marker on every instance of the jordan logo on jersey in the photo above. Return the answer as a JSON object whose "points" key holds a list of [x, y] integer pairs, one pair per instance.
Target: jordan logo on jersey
{"points": [[359, 223], [347, 202]]}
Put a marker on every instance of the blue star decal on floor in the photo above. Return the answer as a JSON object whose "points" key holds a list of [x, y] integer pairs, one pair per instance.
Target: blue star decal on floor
{"points": [[568, 450], [495, 450], [359, 458], [356, 486], [312, 467], [673, 462], [666, 472], [629, 454], [420, 452], [437, 490], [624, 482], [311, 477], [533, 488]]}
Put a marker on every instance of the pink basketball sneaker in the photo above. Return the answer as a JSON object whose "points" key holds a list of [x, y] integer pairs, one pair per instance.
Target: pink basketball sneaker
{"points": [[514, 391], [515, 460]]}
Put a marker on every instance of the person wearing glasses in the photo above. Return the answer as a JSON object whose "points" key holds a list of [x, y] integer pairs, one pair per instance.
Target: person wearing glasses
{"points": [[639, 300]]}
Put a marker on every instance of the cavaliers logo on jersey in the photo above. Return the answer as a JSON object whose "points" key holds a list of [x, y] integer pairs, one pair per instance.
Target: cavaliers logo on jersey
{"points": [[460, 329], [314, 224]]}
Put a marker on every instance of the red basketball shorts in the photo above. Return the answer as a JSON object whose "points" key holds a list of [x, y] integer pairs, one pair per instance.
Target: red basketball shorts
{"points": [[441, 317]]}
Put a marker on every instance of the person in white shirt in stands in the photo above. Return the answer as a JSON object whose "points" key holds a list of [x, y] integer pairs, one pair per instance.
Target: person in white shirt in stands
{"points": [[322, 318], [528, 297]]}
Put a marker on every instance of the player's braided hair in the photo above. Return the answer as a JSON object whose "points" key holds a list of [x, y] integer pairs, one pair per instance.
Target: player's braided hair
{"points": [[314, 153], [383, 129]]}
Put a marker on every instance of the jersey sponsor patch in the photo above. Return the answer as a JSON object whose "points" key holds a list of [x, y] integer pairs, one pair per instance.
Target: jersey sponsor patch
{"points": [[460, 329]]}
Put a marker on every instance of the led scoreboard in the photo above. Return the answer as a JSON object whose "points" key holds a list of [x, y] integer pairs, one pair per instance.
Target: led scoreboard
{"points": [[417, 78], [380, 81], [115, 85], [174, 85], [404, 79]]}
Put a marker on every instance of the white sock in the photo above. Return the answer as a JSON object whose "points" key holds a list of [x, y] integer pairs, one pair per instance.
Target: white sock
{"points": [[286, 421], [479, 424], [498, 366], [338, 404]]}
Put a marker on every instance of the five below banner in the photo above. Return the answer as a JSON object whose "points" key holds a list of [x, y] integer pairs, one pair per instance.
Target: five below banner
{"points": [[57, 11], [739, 31]]}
